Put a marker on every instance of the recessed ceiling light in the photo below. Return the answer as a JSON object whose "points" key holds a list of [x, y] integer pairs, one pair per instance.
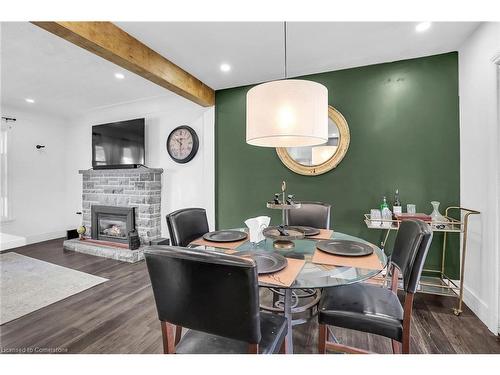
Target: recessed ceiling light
{"points": [[422, 26], [225, 67], [29, 100], [119, 76]]}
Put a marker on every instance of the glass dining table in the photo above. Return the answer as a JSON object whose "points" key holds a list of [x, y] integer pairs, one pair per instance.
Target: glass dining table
{"points": [[312, 275]]}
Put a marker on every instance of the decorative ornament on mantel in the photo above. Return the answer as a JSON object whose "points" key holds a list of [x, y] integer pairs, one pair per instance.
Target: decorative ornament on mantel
{"points": [[81, 231], [287, 113]]}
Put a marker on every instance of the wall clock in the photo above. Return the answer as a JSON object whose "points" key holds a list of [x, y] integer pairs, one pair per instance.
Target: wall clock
{"points": [[182, 144]]}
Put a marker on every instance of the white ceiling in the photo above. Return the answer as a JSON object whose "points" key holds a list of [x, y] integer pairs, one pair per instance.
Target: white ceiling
{"points": [[255, 50], [63, 79], [67, 80]]}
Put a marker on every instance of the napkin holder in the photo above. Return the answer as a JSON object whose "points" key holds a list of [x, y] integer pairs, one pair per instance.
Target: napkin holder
{"points": [[255, 226]]}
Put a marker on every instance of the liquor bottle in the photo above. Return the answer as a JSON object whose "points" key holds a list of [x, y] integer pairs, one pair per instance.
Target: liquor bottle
{"points": [[386, 214], [396, 208], [384, 204]]}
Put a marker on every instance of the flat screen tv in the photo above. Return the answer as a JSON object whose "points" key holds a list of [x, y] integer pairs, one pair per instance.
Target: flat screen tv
{"points": [[118, 144]]}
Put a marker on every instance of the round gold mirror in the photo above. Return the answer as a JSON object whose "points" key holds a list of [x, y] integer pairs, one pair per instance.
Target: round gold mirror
{"points": [[315, 160]]}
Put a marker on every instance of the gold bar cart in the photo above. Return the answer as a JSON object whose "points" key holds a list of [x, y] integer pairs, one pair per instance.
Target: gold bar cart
{"points": [[440, 283]]}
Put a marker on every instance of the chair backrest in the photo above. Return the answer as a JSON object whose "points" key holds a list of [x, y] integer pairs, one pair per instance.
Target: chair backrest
{"points": [[206, 291], [187, 225], [410, 250], [310, 214]]}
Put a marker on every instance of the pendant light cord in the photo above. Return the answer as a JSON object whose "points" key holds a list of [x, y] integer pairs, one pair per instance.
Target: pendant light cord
{"points": [[285, 32]]}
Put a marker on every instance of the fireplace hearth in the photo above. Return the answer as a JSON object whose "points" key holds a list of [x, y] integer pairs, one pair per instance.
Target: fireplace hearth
{"points": [[110, 223]]}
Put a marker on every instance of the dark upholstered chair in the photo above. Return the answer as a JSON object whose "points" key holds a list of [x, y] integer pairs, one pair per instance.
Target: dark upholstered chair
{"points": [[374, 309], [187, 225], [215, 296], [310, 214]]}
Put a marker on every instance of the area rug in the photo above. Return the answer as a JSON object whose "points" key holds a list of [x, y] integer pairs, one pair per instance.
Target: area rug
{"points": [[28, 284]]}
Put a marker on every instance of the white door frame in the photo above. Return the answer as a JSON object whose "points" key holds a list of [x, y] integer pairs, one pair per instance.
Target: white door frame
{"points": [[496, 60]]}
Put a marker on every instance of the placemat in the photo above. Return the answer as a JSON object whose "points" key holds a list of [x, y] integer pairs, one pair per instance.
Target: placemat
{"points": [[283, 278], [286, 276], [370, 262], [221, 245], [324, 234]]}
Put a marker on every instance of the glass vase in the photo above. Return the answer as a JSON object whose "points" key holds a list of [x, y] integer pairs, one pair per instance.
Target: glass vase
{"points": [[438, 220]]}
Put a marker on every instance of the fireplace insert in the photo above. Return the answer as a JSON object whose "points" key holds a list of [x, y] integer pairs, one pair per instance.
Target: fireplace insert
{"points": [[111, 223]]}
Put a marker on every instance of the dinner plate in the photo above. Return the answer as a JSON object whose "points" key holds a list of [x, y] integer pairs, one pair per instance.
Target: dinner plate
{"points": [[308, 231], [345, 248], [267, 262], [225, 236]]}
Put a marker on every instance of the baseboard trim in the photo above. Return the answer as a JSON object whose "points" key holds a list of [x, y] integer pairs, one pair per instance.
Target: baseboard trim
{"points": [[480, 308], [23, 241], [45, 236], [12, 243]]}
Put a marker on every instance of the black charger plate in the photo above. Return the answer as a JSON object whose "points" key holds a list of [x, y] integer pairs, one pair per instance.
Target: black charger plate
{"points": [[225, 236], [345, 248], [267, 262]]}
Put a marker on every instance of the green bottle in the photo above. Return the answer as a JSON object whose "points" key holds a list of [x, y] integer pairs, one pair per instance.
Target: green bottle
{"points": [[384, 204]]}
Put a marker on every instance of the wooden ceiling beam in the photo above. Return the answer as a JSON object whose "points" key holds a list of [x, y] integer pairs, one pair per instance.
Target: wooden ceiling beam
{"points": [[108, 41]]}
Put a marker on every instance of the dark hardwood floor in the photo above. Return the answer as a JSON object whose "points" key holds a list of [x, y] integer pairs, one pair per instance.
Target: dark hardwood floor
{"points": [[119, 316]]}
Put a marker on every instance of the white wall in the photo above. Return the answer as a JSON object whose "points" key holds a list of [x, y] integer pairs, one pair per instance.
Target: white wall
{"points": [[479, 169], [46, 189], [183, 185], [36, 178]]}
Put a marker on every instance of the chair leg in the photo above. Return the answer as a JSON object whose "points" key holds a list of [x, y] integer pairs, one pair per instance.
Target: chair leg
{"points": [[396, 347], [284, 347], [253, 349], [167, 331], [178, 334], [406, 345], [407, 322], [322, 339]]}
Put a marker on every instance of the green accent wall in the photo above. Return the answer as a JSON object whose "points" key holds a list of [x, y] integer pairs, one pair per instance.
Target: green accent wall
{"points": [[404, 122]]}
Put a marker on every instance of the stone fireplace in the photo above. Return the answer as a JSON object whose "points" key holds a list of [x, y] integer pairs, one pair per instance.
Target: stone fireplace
{"points": [[138, 188], [114, 201]]}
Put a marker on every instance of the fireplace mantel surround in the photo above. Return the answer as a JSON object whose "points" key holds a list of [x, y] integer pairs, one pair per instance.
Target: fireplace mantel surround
{"points": [[135, 187]]}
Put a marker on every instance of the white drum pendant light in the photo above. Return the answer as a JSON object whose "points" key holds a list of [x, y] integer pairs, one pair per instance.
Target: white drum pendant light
{"points": [[287, 113]]}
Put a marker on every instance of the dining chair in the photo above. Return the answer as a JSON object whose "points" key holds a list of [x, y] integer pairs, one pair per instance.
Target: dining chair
{"points": [[186, 225], [310, 214], [215, 296], [376, 309]]}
